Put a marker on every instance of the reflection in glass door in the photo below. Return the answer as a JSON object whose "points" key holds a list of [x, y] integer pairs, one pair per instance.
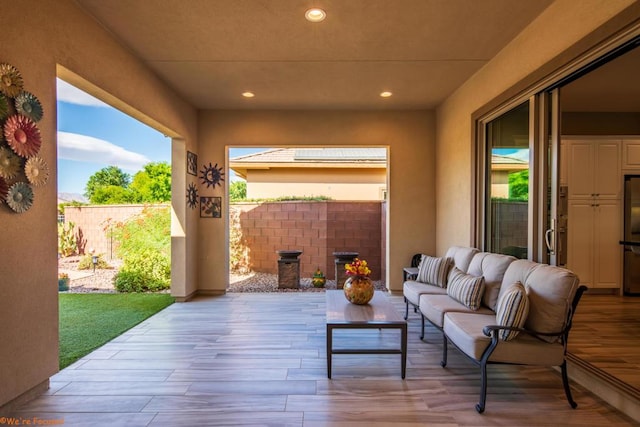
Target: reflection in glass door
{"points": [[507, 183]]}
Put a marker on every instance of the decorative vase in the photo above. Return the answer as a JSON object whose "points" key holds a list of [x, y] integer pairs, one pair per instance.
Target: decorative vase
{"points": [[318, 279], [358, 289]]}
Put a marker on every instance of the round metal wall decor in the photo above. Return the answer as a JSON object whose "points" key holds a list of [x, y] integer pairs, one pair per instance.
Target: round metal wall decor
{"points": [[9, 163], [28, 105], [21, 169], [20, 197], [10, 80], [37, 171], [22, 135]]}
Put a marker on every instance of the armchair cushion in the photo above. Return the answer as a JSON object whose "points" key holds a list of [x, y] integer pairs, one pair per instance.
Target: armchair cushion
{"points": [[512, 310], [434, 271], [465, 288]]}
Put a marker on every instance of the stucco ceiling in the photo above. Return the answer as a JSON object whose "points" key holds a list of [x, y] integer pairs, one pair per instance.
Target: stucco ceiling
{"points": [[210, 51]]}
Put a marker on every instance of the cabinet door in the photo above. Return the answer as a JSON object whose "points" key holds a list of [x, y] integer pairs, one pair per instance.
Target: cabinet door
{"points": [[580, 164], [608, 251], [580, 240], [606, 169], [631, 154]]}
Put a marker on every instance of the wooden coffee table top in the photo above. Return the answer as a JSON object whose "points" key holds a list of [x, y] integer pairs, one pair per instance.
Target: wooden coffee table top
{"points": [[378, 311]]}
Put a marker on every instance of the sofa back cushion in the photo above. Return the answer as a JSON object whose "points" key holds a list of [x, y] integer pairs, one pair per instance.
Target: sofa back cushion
{"points": [[550, 291], [434, 271], [492, 267], [512, 310], [461, 256], [465, 289]]}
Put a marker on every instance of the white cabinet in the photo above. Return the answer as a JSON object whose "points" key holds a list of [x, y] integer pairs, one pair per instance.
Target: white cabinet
{"points": [[593, 169], [631, 154], [594, 213], [593, 235]]}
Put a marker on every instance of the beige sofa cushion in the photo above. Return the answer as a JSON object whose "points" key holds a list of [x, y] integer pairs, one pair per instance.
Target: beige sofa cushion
{"points": [[465, 331], [465, 288], [461, 256], [434, 271], [412, 291], [492, 267], [512, 310], [434, 307], [550, 291]]}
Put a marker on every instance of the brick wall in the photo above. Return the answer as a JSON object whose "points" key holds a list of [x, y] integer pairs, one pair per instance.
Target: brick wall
{"points": [[91, 222], [316, 228]]}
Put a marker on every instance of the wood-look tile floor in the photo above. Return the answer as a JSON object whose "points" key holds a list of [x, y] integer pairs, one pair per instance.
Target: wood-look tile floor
{"points": [[259, 359], [606, 333]]}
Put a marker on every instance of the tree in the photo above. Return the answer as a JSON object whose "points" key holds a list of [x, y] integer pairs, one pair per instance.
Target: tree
{"points": [[111, 175], [112, 195], [152, 184], [238, 190], [519, 185]]}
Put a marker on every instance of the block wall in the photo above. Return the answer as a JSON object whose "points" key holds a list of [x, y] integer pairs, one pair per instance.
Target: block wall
{"points": [[316, 228]]}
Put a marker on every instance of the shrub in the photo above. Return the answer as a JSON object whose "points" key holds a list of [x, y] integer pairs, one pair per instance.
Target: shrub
{"points": [[145, 249], [86, 263]]}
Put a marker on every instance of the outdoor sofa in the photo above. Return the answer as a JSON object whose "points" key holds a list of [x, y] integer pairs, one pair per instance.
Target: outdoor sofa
{"points": [[498, 310]]}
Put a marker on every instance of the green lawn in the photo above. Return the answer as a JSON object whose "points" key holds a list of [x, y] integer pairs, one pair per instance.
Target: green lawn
{"points": [[88, 321]]}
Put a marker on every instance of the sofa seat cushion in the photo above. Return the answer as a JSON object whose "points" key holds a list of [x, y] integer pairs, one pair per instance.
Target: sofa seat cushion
{"points": [[434, 271], [412, 291], [465, 331], [465, 288], [434, 307]]}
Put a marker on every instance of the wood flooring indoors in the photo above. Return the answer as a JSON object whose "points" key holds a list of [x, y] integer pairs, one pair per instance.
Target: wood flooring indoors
{"points": [[260, 360]]}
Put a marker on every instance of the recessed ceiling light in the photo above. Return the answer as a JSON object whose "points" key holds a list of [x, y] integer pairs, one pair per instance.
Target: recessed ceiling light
{"points": [[315, 15], [385, 94], [248, 94]]}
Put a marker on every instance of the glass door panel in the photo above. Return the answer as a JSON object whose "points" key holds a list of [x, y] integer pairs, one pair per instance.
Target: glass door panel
{"points": [[507, 183]]}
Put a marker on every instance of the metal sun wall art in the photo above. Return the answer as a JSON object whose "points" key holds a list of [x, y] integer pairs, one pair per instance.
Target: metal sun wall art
{"points": [[192, 196], [212, 175], [20, 167]]}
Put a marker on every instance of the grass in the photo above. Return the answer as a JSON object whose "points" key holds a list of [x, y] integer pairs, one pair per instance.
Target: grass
{"points": [[87, 321]]}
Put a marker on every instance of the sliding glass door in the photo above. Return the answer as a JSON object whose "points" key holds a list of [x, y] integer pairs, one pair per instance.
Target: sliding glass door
{"points": [[507, 183], [517, 180]]}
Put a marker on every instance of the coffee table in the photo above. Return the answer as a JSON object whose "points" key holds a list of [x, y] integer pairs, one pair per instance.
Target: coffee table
{"points": [[378, 314]]}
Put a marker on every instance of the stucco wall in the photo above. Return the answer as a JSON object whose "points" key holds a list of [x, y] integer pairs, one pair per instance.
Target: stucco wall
{"points": [[38, 37], [408, 134], [559, 27], [336, 183]]}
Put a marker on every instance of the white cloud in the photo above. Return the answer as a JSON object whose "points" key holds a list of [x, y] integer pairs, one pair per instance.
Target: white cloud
{"points": [[73, 95], [82, 148]]}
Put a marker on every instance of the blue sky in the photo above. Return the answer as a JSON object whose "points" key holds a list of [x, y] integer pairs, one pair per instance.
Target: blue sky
{"points": [[92, 135]]}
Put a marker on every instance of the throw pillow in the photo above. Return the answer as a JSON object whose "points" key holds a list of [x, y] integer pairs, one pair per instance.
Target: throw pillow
{"points": [[434, 271], [512, 310], [465, 288]]}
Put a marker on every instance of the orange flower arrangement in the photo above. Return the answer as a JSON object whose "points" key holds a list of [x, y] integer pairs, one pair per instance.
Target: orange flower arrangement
{"points": [[358, 267]]}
